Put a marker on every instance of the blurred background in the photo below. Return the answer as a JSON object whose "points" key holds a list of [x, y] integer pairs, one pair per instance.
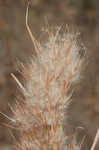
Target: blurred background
{"points": [[15, 44]]}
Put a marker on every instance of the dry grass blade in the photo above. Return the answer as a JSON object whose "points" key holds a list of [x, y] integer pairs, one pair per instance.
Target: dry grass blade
{"points": [[36, 44], [6, 116], [95, 140], [18, 82]]}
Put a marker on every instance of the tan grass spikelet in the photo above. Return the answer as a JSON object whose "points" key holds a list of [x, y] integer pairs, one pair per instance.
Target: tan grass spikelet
{"points": [[48, 77]]}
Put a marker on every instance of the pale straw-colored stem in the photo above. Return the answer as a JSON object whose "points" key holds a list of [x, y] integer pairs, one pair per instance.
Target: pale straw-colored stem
{"points": [[95, 140]]}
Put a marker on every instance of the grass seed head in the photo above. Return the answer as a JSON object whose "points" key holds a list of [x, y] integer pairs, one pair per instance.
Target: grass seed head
{"points": [[48, 77]]}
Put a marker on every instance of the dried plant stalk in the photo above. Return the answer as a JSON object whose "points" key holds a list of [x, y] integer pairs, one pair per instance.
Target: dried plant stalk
{"points": [[95, 140]]}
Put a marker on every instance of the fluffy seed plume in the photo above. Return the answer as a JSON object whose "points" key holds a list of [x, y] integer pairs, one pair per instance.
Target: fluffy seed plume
{"points": [[48, 76]]}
